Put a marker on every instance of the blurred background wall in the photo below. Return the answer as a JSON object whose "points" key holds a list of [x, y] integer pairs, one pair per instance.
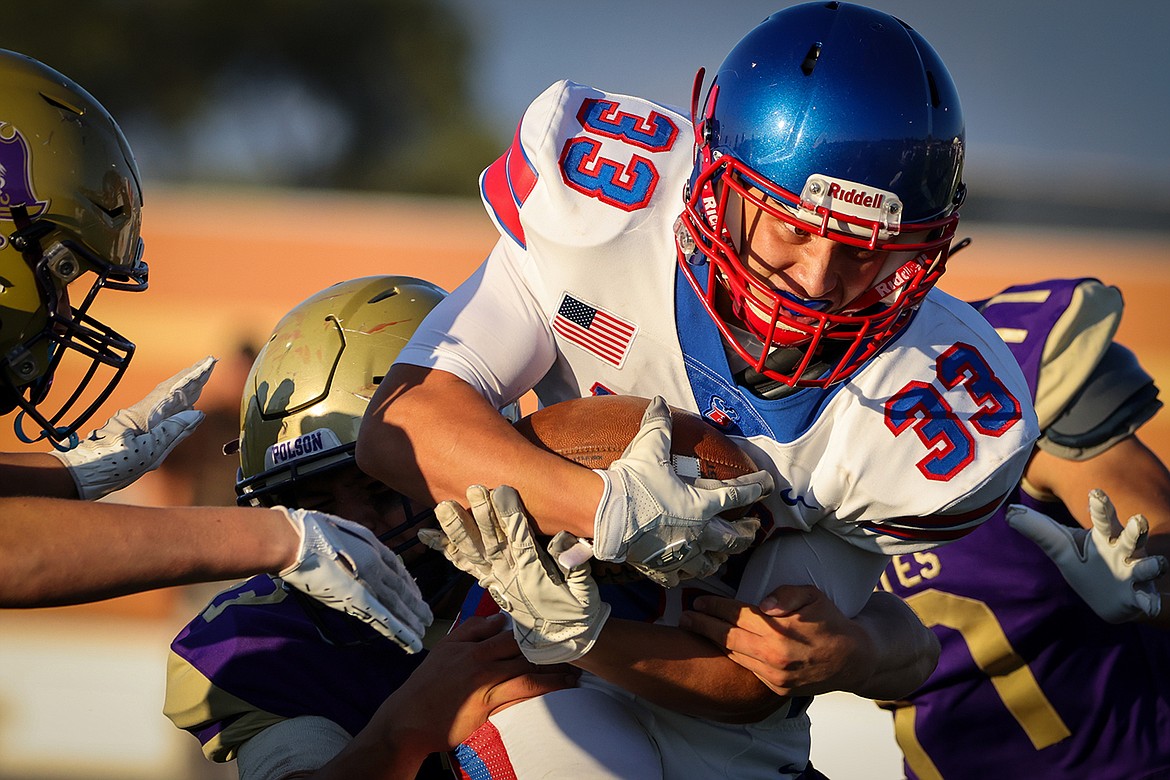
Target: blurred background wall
{"points": [[289, 145]]}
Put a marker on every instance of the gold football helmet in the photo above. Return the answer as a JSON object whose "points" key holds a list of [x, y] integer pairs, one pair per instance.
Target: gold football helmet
{"points": [[311, 382], [303, 404], [70, 213]]}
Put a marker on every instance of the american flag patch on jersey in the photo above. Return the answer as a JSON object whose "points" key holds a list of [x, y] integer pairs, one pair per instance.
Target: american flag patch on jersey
{"points": [[594, 330]]}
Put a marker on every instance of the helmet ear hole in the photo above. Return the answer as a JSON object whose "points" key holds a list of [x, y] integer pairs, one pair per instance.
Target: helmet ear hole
{"points": [[960, 195]]}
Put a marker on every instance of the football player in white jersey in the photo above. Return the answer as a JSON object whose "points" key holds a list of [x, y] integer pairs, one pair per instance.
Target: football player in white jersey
{"points": [[70, 216], [788, 296]]}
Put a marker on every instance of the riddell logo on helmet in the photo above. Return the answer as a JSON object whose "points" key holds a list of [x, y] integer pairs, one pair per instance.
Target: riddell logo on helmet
{"points": [[895, 280], [856, 197]]}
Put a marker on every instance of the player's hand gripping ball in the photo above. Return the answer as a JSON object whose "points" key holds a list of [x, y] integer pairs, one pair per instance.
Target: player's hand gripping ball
{"points": [[676, 487]]}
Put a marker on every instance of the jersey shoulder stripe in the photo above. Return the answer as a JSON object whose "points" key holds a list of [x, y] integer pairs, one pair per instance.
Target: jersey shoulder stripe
{"points": [[935, 528], [505, 185]]}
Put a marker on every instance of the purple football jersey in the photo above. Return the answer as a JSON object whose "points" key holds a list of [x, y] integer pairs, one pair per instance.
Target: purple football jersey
{"points": [[1030, 683], [279, 654]]}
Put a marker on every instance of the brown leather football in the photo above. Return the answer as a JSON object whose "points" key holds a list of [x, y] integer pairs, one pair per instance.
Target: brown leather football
{"points": [[595, 430]]}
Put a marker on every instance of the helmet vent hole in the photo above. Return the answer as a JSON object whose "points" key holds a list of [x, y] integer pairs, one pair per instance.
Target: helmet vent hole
{"points": [[112, 213], [810, 59], [384, 295], [934, 98], [62, 105]]}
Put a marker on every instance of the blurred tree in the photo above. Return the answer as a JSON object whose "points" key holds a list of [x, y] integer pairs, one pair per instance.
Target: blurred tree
{"points": [[357, 94]]}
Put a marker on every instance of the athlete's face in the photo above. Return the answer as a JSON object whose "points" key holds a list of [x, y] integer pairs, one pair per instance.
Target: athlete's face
{"points": [[351, 494], [791, 260]]}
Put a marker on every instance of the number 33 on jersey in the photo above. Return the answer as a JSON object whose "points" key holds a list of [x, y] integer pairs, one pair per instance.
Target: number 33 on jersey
{"points": [[916, 448]]}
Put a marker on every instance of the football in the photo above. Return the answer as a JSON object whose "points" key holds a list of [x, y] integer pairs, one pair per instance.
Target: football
{"points": [[595, 430]]}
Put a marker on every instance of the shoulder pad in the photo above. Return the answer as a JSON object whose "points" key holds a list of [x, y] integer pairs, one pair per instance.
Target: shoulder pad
{"points": [[1058, 333], [578, 149], [1118, 397]]}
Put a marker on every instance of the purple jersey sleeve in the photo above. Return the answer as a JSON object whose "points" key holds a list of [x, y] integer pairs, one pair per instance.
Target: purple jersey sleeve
{"points": [[1030, 682], [259, 653]]}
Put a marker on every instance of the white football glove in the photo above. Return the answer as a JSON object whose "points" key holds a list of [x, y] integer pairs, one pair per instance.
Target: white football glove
{"points": [[344, 566], [136, 440], [1100, 565], [556, 612], [662, 526]]}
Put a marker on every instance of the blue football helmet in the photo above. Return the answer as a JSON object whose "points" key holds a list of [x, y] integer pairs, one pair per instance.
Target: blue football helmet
{"points": [[841, 121]]}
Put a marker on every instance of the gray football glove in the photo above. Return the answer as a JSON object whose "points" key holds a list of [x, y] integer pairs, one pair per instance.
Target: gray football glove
{"points": [[1100, 565], [556, 612], [662, 526], [344, 566], [137, 439]]}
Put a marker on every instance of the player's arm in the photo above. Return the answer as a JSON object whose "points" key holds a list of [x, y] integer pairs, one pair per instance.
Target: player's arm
{"points": [[34, 474], [55, 552], [798, 643], [678, 670], [429, 434], [1089, 442], [817, 625], [559, 617], [133, 441], [1134, 478], [432, 427], [473, 672]]}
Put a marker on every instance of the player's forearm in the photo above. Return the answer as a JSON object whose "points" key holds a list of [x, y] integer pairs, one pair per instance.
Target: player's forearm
{"points": [[903, 651], [55, 552], [374, 755], [430, 435], [34, 474], [678, 670]]}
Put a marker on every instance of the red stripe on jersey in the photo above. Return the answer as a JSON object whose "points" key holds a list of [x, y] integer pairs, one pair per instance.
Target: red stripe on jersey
{"points": [[505, 185], [482, 756], [935, 528], [521, 173]]}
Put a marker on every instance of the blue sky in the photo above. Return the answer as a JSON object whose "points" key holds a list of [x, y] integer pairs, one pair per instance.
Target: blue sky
{"points": [[1055, 94]]}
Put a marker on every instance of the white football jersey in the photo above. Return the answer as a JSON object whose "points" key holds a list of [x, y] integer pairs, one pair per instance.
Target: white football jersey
{"points": [[581, 296]]}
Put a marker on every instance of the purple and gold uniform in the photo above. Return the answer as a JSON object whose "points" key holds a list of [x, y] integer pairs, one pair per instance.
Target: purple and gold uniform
{"points": [[260, 654], [1031, 682]]}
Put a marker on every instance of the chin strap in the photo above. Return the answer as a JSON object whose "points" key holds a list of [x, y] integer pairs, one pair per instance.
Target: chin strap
{"points": [[71, 438], [780, 360]]}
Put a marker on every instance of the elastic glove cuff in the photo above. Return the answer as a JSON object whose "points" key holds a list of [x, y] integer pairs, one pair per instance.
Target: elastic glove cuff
{"points": [[296, 519], [608, 541], [564, 650]]}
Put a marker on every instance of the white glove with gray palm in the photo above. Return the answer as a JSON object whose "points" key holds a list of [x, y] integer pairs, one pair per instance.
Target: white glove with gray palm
{"points": [[137, 439], [556, 611], [344, 566], [1103, 565], [661, 525]]}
